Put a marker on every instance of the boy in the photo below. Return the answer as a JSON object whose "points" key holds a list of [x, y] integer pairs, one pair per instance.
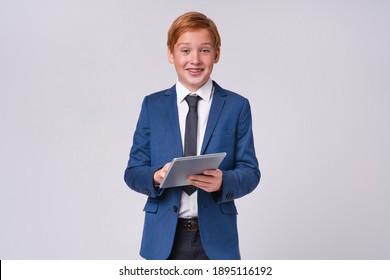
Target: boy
{"points": [[195, 116]]}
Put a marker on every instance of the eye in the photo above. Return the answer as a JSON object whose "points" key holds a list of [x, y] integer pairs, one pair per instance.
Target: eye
{"points": [[205, 50], [185, 51]]}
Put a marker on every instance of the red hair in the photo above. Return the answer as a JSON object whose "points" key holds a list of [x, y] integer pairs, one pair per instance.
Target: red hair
{"points": [[192, 21]]}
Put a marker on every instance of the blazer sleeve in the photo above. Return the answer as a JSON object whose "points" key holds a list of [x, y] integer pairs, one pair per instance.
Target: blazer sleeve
{"points": [[245, 176], [139, 172]]}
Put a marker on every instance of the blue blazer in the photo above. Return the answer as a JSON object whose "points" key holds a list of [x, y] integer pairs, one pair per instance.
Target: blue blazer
{"points": [[157, 141]]}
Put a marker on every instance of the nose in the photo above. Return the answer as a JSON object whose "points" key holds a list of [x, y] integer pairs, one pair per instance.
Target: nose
{"points": [[195, 58]]}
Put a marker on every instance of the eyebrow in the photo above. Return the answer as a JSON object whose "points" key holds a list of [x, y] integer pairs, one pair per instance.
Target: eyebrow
{"points": [[209, 44]]}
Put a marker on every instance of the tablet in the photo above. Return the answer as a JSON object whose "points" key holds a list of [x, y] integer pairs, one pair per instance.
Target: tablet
{"points": [[182, 167]]}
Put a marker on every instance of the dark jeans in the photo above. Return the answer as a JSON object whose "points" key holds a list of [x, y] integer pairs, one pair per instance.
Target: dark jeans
{"points": [[187, 246]]}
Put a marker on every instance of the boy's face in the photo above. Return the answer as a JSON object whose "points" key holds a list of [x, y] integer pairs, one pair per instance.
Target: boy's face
{"points": [[194, 56]]}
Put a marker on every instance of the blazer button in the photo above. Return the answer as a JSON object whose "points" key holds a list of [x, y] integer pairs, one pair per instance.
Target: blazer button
{"points": [[175, 208], [229, 195]]}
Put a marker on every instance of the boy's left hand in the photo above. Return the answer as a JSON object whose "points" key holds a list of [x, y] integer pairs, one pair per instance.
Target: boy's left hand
{"points": [[210, 181]]}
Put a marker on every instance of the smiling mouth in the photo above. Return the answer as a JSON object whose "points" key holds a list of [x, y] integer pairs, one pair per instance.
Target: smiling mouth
{"points": [[195, 70]]}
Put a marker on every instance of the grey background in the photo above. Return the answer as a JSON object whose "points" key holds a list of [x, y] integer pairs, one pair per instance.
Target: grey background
{"points": [[72, 78]]}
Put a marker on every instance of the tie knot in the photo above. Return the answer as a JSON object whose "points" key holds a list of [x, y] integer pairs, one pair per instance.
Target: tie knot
{"points": [[192, 101]]}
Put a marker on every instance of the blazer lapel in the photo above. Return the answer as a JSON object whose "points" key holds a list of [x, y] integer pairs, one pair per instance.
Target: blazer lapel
{"points": [[173, 118], [215, 111]]}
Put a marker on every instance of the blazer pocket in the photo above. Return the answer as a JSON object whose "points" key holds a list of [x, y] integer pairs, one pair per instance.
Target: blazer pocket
{"points": [[151, 207], [228, 209], [221, 132]]}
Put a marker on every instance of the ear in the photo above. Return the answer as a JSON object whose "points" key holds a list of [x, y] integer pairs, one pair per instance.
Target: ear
{"points": [[170, 57], [217, 55]]}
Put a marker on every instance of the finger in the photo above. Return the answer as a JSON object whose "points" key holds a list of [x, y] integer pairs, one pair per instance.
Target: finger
{"points": [[166, 166], [202, 185], [201, 178], [210, 172], [204, 180], [207, 187]]}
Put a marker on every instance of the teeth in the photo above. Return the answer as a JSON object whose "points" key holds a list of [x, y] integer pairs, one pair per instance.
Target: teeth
{"points": [[195, 71]]}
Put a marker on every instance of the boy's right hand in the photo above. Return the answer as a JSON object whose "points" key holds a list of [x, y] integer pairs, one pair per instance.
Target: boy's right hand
{"points": [[160, 174]]}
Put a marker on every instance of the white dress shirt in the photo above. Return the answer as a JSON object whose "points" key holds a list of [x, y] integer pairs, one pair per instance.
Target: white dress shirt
{"points": [[189, 204]]}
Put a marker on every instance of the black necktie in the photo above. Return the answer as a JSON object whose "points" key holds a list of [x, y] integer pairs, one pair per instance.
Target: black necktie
{"points": [[190, 143]]}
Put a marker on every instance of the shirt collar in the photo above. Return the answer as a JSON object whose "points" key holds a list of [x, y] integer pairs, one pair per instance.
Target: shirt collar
{"points": [[204, 91]]}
